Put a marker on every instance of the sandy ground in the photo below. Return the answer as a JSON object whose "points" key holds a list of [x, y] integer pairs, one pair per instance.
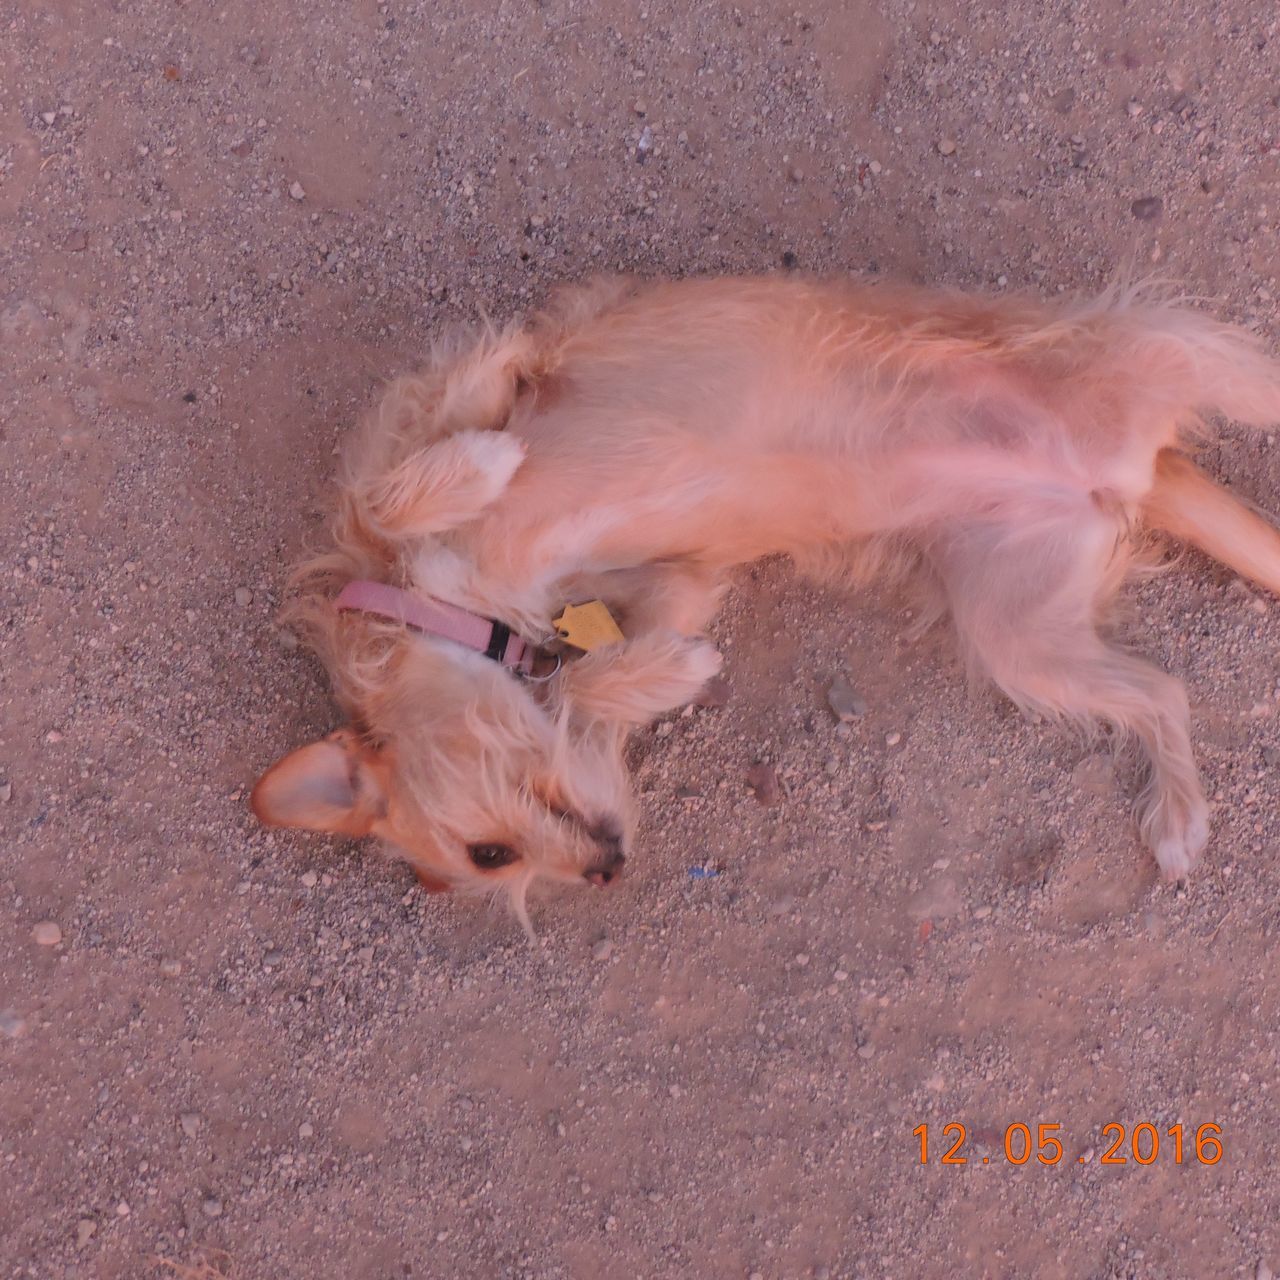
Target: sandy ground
{"points": [[220, 225]]}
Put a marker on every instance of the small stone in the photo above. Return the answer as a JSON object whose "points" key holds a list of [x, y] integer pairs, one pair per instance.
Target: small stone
{"points": [[296, 192], [270, 959], [763, 780], [465, 1144], [1148, 209], [53, 737], [190, 1123], [76, 242], [244, 597], [123, 1210], [1134, 108], [947, 147], [865, 1051], [49, 117], [12, 1024], [6, 792], [892, 739], [306, 1129], [1263, 1272], [243, 149], [212, 1207], [310, 879], [981, 913], [844, 701], [875, 166], [171, 968], [1063, 101], [46, 934], [602, 950], [84, 1231]]}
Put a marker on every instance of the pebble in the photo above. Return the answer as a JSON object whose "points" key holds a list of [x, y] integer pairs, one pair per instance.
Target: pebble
{"points": [[212, 1207], [123, 1210], [844, 700], [947, 147], [763, 780], [1263, 1272], [46, 934], [12, 1024], [1148, 209], [306, 1130], [84, 1231], [310, 879], [6, 792], [866, 1051], [170, 968], [602, 950], [190, 1123], [76, 242], [892, 739], [296, 192], [244, 597], [49, 117]]}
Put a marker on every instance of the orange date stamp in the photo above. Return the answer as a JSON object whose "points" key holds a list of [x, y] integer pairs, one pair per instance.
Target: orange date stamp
{"points": [[1142, 1144]]}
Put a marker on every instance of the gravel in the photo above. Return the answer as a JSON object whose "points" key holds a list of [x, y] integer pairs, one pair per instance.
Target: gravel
{"points": [[285, 221]]}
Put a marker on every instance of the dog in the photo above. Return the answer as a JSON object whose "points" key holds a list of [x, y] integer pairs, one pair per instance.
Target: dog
{"points": [[630, 445]]}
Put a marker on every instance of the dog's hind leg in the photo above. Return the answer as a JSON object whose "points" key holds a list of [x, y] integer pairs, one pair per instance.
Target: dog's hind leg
{"points": [[1025, 602]]}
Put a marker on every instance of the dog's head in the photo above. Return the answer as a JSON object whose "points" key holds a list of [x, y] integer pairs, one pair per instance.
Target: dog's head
{"points": [[483, 782]]}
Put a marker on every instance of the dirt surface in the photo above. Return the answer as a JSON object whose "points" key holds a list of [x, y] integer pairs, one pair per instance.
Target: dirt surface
{"points": [[220, 226]]}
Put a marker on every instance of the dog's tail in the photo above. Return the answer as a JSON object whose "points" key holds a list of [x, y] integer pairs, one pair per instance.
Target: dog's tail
{"points": [[1196, 362], [1189, 506]]}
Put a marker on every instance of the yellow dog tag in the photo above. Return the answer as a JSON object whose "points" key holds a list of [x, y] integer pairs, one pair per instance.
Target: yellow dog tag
{"points": [[587, 626]]}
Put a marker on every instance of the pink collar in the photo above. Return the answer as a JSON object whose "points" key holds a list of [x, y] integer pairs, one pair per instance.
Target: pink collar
{"points": [[495, 640]]}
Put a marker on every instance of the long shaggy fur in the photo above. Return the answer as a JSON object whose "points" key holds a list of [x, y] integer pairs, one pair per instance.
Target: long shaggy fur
{"points": [[635, 442]]}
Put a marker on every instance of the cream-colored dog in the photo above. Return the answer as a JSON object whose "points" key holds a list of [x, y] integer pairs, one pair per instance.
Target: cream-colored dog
{"points": [[637, 441]]}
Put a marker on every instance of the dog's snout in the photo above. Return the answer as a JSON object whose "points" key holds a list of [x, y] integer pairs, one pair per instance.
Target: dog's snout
{"points": [[608, 865], [606, 870]]}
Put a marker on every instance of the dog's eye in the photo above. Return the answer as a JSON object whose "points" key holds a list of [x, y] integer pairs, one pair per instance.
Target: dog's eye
{"points": [[488, 857]]}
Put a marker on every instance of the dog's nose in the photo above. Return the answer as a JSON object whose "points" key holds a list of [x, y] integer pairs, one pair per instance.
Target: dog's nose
{"points": [[608, 866]]}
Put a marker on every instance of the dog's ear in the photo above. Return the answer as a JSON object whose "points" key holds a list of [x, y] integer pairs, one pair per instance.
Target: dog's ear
{"points": [[335, 785], [444, 485], [637, 681]]}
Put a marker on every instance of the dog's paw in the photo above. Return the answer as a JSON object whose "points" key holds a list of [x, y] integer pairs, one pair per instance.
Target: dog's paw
{"points": [[494, 456], [636, 682], [1180, 840], [445, 484]]}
